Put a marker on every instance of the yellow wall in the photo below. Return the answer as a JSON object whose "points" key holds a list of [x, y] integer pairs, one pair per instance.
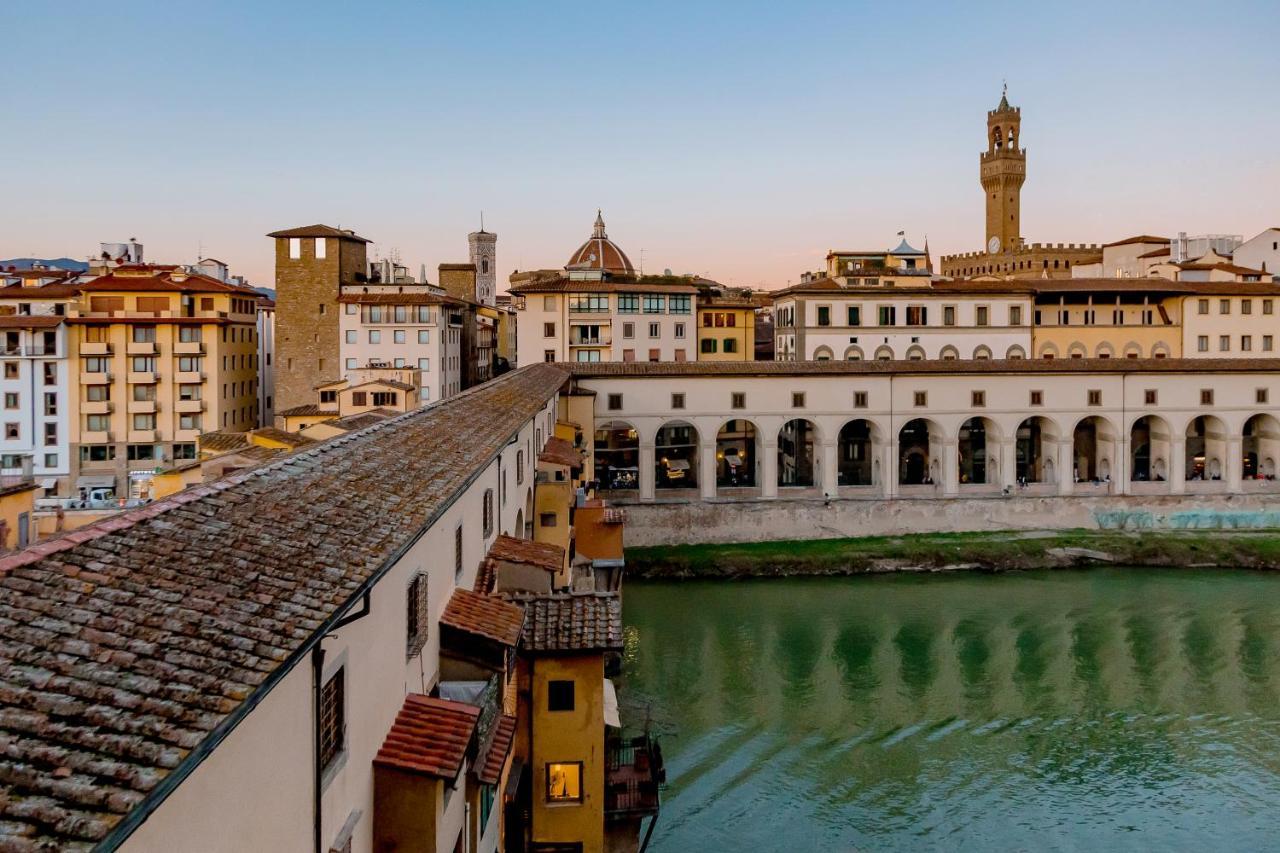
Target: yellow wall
{"points": [[14, 504], [297, 423], [743, 333], [175, 480], [564, 736], [554, 497], [580, 409]]}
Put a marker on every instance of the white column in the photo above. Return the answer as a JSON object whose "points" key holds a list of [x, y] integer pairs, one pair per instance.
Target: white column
{"points": [[1120, 466], [1234, 476], [648, 460], [1178, 465], [1008, 462], [1066, 466], [707, 467], [950, 468], [830, 479], [889, 468], [769, 480]]}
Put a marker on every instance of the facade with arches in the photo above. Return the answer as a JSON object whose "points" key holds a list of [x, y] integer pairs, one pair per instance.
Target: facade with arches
{"points": [[936, 429]]}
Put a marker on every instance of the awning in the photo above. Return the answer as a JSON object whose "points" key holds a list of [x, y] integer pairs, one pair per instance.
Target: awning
{"points": [[611, 717], [96, 481], [49, 483], [678, 465]]}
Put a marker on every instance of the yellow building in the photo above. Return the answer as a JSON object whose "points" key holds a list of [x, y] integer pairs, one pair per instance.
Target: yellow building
{"points": [[17, 502], [726, 328], [555, 485], [160, 355], [566, 638]]}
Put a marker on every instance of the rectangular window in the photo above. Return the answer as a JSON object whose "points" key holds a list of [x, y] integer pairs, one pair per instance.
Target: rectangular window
{"points": [[188, 364], [359, 398], [1246, 343], [400, 314], [184, 451], [97, 393], [680, 304], [352, 336], [1015, 315], [487, 513], [1149, 397], [549, 330], [593, 303], [854, 313], [50, 434], [398, 336], [949, 315], [564, 782], [1224, 343], [859, 399], [548, 303], [424, 336], [1224, 306], [51, 460], [920, 399], [677, 401], [320, 248], [1202, 343], [655, 330], [50, 373], [375, 336], [978, 399], [189, 421], [11, 368], [888, 315], [628, 330], [1246, 306], [560, 695], [333, 723], [10, 400], [628, 303], [1268, 306], [708, 345], [824, 315], [143, 420], [549, 355], [730, 345], [144, 393], [547, 519], [139, 452], [189, 334], [655, 355], [1267, 343], [1095, 398], [981, 314], [1206, 396], [679, 330], [1037, 398], [295, 247], [615, 402], [917, 315], [457, 553], [797, 399], [1202, 306], [1260, 396], [628, 355], [654, 303], [144, 334]]}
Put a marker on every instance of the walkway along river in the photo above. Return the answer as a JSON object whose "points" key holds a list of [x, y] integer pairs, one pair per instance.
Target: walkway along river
{"points": [[1102, 709]]}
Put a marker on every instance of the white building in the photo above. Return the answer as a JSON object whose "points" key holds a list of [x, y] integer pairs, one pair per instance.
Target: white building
{"points": [[1261, 252], [266, 362], [36, 378], [409, 326]]}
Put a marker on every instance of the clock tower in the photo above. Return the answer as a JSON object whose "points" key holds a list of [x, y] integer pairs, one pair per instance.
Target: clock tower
{"points": [[1004, 168]]}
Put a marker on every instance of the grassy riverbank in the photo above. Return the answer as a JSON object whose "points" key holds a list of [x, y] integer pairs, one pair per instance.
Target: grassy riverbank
{"points": [[1001, 551]]}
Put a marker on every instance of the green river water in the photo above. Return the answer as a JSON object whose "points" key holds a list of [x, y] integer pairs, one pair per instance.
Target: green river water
{"points": [[1112, 709]]}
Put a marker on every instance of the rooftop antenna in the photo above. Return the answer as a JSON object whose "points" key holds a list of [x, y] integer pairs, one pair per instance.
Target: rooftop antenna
{"points": [[482, 220], [641, 260]]}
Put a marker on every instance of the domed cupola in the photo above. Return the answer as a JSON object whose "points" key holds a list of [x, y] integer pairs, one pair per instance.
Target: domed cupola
{"points": [[600, 254]]}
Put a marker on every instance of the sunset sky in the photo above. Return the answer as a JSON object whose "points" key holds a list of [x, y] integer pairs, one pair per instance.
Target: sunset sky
{"points": [[740, 141]]}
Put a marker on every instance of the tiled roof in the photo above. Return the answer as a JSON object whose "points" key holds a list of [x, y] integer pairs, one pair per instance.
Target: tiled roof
{"points": [[1141, 238], [389, 383], [62, 289], [360, 421], [412, 298], [306, 410], [558, 451], [293, 439], [1234, 269], [587, 370], [129, 642], [925, 288], [565, 285], [572, 622], [166, 280], [542, 554], [222, 442], [486, 576], [429, 736], [29, 321], [483, 615], [489, 765], [319, 231], [1156, 253]]}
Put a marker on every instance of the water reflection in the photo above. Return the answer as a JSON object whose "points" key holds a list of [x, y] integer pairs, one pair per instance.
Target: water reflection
{"points": [[1122, 708]]}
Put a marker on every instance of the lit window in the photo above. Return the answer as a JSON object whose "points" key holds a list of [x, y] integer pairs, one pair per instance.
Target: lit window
{"points": [[564, 782]]}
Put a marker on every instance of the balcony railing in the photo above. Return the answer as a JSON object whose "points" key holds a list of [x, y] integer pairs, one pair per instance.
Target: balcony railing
{"points": [[30, 351], [634, 775]]}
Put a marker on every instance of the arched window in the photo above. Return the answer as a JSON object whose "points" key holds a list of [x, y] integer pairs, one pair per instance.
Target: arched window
{"points": [[981, 353], [949, 353], [822, 354], [884, 353], [853, 354], [915, 353], [1015, 352]]}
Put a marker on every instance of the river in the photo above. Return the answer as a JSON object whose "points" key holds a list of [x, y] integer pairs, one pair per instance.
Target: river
{"points": [[1111, 709]]}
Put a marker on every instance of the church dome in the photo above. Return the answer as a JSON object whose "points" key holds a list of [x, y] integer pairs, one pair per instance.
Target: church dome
{"points": [[600, 253]]}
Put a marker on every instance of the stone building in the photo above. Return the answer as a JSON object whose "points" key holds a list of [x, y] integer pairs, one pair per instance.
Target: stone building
{"points": [[312, 265], [1006, 254]]}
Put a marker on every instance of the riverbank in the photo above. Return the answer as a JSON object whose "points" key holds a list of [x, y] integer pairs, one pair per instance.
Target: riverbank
{"points": [[937, 552]]}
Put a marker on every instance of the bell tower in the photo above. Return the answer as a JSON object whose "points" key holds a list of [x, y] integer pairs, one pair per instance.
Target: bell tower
{"points": [[1004, 168]]}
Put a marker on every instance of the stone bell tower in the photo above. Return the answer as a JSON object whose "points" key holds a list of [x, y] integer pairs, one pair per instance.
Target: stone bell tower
{"points": [[1004, 168], [484, 245]]}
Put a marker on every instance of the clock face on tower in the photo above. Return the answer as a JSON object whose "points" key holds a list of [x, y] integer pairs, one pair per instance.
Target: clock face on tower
{"points": [[993, 246]]}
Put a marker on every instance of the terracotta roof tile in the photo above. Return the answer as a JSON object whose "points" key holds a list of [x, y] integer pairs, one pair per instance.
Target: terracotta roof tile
{"points": [[306, 410], [417, 298], [1141, 238], [558, 451], [491, 763], [222, 442], [509, 549], [587, 370], [429, 736], [484, 615], [572, 622], [319, 231], [180, 617], [486, 576]]}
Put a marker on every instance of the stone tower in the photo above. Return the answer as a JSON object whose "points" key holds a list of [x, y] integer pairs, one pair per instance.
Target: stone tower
{"points": [[312, 265], [1004, 168], [483, 245]]}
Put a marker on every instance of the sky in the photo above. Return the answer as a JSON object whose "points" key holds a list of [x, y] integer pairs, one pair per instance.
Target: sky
{"points": [[736, 140]]}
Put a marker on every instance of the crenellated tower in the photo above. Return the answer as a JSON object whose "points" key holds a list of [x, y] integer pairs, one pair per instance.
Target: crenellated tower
{"points": [[1004, 168]]}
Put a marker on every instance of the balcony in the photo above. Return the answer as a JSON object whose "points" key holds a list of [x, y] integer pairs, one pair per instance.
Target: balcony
{"points": [[143, 407], [95, 378], [142, 348], [143, 377], [97, 407], [189, 348], [95, 348], [188, 406], [97, 437], [188, 377], [633, 776], [142, 436]]}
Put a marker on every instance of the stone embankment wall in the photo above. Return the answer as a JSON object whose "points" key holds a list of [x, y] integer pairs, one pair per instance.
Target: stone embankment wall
{"points": [[699, 522]]}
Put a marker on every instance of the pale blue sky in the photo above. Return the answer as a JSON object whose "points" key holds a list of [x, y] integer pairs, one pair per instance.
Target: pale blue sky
{"points": [[737, 140]]}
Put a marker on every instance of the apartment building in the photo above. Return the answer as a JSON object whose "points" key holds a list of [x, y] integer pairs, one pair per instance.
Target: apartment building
{"points": [[726, 326], [266, 361], [160, 355], [36, 382], [414, 327]]}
